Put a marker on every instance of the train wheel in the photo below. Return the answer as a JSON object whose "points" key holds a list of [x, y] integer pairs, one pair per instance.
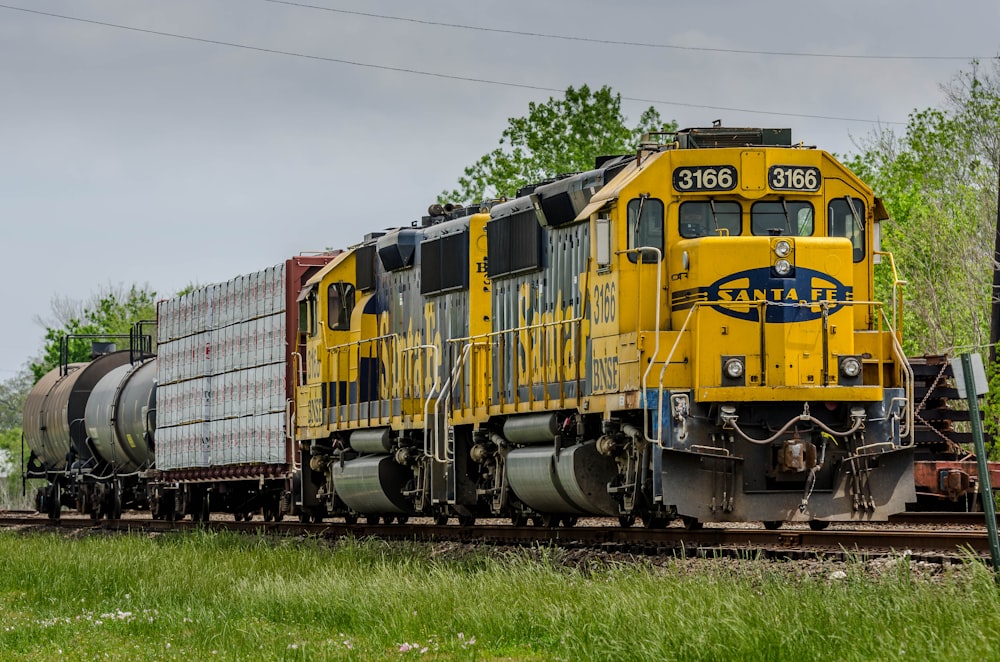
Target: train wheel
{"points": [[519, 520], [441, 518], [55, 502], [818, 525], [116, 505], [626, 521], [317, 518], [550, 521], [402, 519], [238, 516], [466, 520], [773, 524], [371, 519], [350, 520], [654, 521], [690, 523], [570, 520]]}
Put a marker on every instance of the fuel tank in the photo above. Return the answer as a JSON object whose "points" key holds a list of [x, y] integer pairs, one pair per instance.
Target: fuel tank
{"points": [[572, 482]]}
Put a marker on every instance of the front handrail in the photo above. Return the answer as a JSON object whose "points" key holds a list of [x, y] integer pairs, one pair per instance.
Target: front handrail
{"points": [[897, 296], [897, 354]]}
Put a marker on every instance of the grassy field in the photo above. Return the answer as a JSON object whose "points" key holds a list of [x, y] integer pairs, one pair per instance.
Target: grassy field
{"points": [[208, 596]]}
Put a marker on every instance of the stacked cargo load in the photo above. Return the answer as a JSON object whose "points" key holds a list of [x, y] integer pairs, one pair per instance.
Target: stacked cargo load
{"points": [[223, 371]]}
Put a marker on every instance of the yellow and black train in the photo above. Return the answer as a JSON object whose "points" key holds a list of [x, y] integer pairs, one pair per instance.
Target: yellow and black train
{"points": [[688, 332]]}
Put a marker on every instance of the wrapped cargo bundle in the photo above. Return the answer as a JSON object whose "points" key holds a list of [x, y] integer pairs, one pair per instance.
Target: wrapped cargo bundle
{"points": [[221, 374]]}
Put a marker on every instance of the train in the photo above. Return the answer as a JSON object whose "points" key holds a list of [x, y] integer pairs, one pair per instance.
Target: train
{"points": [[687, 332]]}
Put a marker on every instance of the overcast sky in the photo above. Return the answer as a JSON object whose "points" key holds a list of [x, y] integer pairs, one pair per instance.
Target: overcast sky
{"points": [[133, 157]]}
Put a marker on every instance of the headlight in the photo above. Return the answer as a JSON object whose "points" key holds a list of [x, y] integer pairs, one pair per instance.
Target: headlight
{"points": [[782, 267], [782, 248], [850, 367], [734, 368]]}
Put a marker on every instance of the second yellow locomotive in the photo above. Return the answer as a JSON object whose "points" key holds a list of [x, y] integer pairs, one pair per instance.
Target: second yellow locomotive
{"points": [[688, 332]]}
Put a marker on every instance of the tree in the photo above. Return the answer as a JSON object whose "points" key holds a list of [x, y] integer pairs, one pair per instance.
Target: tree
{"points": [[556, 137], [13, 391], [112, 311], [939, 183]]}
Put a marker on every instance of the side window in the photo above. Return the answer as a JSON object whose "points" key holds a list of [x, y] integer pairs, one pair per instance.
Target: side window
{"points": [[645, 227], [847, 219], [707, 218], [339, 306], [307, 316], [791, 218]]}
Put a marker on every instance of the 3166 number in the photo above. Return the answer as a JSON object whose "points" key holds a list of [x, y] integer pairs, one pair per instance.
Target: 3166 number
{"points": [[793, 178], [705, 178]]}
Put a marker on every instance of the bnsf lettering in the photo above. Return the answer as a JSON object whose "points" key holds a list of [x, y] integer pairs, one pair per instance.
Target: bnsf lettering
{"points": [[604, 373]]}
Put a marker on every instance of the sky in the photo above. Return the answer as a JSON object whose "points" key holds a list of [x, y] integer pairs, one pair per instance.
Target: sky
{"points": [[167, 143]]}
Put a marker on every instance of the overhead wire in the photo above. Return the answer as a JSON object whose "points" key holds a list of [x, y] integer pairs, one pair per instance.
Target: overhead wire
{"points": [[615, 42], [433, 74]]}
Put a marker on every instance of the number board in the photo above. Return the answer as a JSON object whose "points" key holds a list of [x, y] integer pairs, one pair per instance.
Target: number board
{"points": [[705, 178], [794, 178]]}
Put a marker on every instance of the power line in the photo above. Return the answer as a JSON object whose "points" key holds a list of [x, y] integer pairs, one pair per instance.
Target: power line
{"points": [[431, 74], [614, 42]]}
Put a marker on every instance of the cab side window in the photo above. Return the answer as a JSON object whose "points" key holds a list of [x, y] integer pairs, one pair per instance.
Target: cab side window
{"points": [[645, 228], [846, 218], [340, 305], [307, 315]]}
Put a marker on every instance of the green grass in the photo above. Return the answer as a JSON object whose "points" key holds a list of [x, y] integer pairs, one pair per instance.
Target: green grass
{"points": [[208, 596]]}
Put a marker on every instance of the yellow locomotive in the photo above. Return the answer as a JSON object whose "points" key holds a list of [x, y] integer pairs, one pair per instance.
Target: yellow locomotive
{"points": [[687, 332]]}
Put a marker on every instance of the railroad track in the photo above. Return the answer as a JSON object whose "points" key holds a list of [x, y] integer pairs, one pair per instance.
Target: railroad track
{"points": [[951, 538]]}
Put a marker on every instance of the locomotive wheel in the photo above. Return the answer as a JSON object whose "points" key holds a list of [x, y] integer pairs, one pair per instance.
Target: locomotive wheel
{"points": [[773, 524], [818, 524], [519, 520], [690, 523], [350, 520], [317, 518], [626, 521], [654, 521]]}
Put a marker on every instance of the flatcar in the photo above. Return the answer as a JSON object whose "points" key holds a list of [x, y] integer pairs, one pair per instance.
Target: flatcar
{"points": [[687, 332]]}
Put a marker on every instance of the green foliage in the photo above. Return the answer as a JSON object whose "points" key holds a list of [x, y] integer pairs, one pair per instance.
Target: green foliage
{"points": [[108, 313], [556, 137], [13, 391], [939, 183], [10, 452]]}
